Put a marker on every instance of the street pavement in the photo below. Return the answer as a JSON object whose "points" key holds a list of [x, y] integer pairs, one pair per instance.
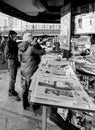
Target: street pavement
{"points": [[12, 114]]}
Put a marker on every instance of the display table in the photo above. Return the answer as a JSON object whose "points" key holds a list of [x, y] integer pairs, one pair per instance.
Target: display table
{"points": [[56, 84]]}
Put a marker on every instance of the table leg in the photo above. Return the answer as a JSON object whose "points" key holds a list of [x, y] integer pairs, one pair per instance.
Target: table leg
{"points": [[44, 117]]}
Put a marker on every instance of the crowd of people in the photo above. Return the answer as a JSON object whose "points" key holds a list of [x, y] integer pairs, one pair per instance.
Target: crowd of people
{"points": [[27, 56]]}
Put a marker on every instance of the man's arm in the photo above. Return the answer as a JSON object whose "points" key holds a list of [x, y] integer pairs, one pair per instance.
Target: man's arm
{"points": [[38, 51]]}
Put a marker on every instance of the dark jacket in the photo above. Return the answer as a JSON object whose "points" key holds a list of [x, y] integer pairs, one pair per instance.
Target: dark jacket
{"points": [[11, 50], [11, 53], [30, 58]]}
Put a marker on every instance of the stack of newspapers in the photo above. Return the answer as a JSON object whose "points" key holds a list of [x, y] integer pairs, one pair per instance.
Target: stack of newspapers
{"points": [[57, 84]]}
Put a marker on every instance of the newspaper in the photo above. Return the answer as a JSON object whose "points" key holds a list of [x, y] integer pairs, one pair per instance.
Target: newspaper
{"points": [[60, 88], [88, 83], [85, 64]]}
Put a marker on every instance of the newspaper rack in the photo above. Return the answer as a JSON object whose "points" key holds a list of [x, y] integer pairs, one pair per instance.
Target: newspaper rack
{"points": [[56, 84]]}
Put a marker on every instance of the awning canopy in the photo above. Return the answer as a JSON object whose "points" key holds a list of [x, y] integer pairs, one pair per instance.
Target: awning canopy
{"points": [[33, 10], [43, 11]]}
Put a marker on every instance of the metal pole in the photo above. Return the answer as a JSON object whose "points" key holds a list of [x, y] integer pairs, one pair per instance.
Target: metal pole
{"points": [[44, 117]]}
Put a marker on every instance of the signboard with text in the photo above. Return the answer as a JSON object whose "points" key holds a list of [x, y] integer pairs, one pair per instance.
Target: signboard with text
{"points": [[85, 20], [65, 30], [85, 24]]}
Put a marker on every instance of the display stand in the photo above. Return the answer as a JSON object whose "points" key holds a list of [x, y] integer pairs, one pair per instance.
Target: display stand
{"points": [[55, 84]]}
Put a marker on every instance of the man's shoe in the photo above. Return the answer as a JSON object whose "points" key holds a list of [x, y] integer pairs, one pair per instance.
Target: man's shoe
{"points": [[17, 98], [36, 107], [15, 95], [28, 108], [10, 93], [25, 106]]}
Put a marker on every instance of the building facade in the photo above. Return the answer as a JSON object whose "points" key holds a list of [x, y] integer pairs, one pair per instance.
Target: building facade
{"points": [[10, 23]]}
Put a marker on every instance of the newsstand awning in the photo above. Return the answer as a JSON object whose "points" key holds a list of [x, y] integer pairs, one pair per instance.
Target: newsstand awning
{"points": [[42, 11]]}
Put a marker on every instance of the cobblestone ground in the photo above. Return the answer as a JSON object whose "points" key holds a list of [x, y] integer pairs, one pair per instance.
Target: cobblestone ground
{"points": [[12, 115]]}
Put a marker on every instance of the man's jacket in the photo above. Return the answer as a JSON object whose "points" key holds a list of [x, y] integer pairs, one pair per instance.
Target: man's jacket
{"points": [[30, 58]]}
